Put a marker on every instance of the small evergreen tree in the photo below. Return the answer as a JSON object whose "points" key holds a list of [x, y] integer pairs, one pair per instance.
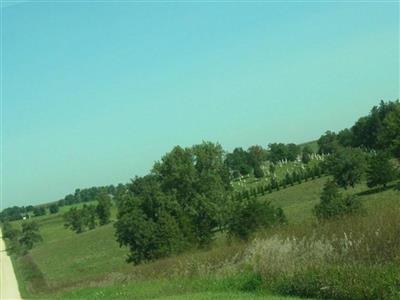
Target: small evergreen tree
{"points": [[334, 204], [258, 172]]}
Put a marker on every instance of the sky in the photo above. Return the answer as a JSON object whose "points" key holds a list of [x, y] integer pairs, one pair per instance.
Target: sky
{"points": [[93, 93]]}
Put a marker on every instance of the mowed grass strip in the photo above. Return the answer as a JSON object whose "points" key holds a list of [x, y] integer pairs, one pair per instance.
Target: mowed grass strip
{"points": [[206, 288]]}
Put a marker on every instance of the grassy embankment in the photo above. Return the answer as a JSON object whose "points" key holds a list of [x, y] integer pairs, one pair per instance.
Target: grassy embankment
{"points": [[302, 258]]}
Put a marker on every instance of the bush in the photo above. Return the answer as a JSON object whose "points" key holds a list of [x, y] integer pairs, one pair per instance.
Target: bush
{"points": [[248, 216], [53, 209], [334, 204]]}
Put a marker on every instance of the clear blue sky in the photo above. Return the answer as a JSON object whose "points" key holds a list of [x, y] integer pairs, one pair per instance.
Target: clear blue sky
{"points": [[94, 93]]}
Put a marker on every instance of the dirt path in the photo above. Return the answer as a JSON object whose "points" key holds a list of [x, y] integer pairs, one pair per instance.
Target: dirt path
{"points": [[8, 282]]}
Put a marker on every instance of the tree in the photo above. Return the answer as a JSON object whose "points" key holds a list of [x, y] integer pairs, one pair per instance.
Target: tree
{"points": [[334, 204], [103, 208], [148, 237], [73, 220], [54, 208], [258, 172], [89, 216], [277, 152], [328, 143], [345, 137], [241, 160], [39, 211], [256, 155], [306, 154], [30, 235], [251, 215], [389, 136], [347, 165], [293, 151], [9, 232], [380, 170]]}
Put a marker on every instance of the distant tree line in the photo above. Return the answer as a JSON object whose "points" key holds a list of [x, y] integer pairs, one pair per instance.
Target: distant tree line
{"points": [[80, 196]]}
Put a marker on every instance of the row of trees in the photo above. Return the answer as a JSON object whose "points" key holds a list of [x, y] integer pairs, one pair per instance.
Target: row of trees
{"points": [[242, 162], [290, 179], [89, 216], [350, 166], [20, 241], [380, 130]]}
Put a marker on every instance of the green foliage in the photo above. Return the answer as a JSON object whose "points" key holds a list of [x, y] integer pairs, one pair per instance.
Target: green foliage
{"points": [[39, 211], [251, 215], [279, 151], [54, 208], [306, 154], [380, 170], [347, 166], [181, 203], [258, 172], [12, 213], [103, 208], [328, 143], [30, 235], [73, 220], [89, 215], [334, 204], [149, 237], [240, 160]]}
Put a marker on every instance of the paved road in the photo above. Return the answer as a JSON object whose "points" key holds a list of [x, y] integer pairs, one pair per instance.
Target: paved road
{"points": [[8, 282]]}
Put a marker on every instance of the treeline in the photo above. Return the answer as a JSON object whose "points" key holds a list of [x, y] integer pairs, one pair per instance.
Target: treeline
{"points": [[79, 196], [379, 131], [89, 216], [241, 162]]}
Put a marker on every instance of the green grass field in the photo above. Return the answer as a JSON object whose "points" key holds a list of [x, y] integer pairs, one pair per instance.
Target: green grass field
{"points": [[91, 265]]}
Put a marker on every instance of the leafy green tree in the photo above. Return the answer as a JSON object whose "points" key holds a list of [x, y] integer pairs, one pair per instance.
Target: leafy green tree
{"points": [[258, 172], [306, 154], [73, 220], [251, 215], [293, 151], [345, 137], [389, 136], [256, 155], [30, 235], [240, 160], [39, 211], [9, 232], [380, 170], [149, 237], [334, 204], [328, 143], [103, 209], [89, 216], [272, 168], [277, 152], [54, 208], [347, 165]]}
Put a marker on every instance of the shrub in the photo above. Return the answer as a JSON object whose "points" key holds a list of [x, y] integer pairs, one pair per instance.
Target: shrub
{"points": [[334, 204], [248, 216]]}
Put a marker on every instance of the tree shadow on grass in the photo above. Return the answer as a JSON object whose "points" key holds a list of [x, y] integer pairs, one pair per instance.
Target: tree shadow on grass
{"points": [[378, 189]]}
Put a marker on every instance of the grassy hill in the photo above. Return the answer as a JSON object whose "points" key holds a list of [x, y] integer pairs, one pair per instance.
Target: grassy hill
{"points": [[92, 265]]}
